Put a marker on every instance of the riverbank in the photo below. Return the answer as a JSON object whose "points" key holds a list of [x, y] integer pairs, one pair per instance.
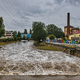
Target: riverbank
{"points": [[43, 46], [3, 43]]}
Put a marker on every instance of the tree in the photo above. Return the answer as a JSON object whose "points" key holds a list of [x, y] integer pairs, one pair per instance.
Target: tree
{"points": [[51, 36], [2, 31], [19, 34], [25, 31], [52, 29], [14, 33], [24, 37], [30, 31], [39, 32]]}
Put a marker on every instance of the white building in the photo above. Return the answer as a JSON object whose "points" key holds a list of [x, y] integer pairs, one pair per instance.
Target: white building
{"points": [[8, 34]]}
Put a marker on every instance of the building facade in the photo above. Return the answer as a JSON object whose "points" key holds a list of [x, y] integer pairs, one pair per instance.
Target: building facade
{"points": [[75, 36], [69, 30], [8, 34]]}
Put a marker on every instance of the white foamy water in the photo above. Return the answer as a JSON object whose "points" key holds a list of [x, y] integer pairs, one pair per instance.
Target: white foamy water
{"points": [[23, 58]]}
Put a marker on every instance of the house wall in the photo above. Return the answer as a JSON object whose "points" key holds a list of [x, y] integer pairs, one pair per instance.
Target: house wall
{"points": [[74, 35]]}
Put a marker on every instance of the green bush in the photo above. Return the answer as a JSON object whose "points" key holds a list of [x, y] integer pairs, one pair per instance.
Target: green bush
{"points": [[4, 39], [19, 38], [24, 37], [51, 36], [10, 39], [15, 38]]}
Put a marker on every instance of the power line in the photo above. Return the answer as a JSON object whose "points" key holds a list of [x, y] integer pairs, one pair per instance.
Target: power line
{"points": [[10, 12], [6, 12]]}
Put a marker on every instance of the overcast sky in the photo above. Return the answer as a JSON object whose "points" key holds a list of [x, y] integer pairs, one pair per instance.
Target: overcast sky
{"points": [[20, 14]]}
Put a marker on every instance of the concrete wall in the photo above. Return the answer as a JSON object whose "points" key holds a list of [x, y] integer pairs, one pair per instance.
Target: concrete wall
{"points": [[72, 51]]}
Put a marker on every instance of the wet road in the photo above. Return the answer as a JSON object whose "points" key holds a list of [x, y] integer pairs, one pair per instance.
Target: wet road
{"points": [[23, 58]]}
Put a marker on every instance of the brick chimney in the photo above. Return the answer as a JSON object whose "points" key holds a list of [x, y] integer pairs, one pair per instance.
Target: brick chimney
{"points": [[68, 25]]}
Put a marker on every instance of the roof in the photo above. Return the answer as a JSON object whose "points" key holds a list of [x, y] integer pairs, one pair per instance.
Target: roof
{"points": [[75, 28], [70, 26], [76, 32]]}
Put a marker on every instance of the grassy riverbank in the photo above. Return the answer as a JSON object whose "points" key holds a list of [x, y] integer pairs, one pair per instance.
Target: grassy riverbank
{"points": [[43, 46], [3, 43]]}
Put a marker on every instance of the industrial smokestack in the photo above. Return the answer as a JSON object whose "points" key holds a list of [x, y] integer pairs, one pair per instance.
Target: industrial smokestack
{"points": [[68, 24], [68, 19]]}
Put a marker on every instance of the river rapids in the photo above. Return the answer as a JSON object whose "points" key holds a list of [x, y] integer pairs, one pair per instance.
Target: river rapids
{"points": [[23, 58]]}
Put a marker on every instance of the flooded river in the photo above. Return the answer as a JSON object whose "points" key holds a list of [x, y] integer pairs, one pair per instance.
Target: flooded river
{"points": [[23, 58]]}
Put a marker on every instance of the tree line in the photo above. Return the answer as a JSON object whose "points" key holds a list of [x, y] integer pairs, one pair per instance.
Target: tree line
{"points": [[40, 31]]}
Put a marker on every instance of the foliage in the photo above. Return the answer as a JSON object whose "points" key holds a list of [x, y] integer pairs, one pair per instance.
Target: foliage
{"points": [[4, 39], [15, 38], [19, 34], [57, 32], [19, 38], [14, 33], [30, 31], [25, 31], [51, 36], [24, 37], [2, 31], [39, 32]]}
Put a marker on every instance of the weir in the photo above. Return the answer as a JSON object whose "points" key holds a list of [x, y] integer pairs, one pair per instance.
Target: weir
{"points": [[67, 48]]}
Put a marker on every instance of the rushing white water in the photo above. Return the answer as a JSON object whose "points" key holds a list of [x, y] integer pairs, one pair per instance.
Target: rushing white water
{"points": [[23, 58]]}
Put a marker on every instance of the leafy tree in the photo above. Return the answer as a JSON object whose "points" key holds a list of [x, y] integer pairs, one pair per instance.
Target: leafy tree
{"points": [[19, 38], [39, 32], [57, 32], [14, 33], [24, 37], [25, 31], [50, 28], [15, 38], [51, 36], [2, 31], [30, 31], [19, 34]]}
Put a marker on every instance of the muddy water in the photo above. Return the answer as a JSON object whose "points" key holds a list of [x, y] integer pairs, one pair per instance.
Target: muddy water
{"points": [[23, 58]]}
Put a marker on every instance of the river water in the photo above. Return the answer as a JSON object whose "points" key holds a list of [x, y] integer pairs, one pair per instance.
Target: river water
{"points": [[23, 58]]}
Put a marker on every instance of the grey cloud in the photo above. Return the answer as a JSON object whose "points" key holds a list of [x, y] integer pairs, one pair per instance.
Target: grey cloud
{"points": [[79, 18], [47, 11], [34, 9], [58, 1], [60, 15], [48, 4], [73, 18], [24, 17]]}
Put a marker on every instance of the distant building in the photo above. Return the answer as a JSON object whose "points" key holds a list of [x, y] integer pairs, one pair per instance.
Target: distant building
{"points": [[75, 36], [8, 34], [26, 35], [68, 30]]}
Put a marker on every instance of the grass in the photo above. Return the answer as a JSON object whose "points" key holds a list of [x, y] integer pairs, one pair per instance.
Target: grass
{"points": [[43, 46], [3, 43], [48, 48]]}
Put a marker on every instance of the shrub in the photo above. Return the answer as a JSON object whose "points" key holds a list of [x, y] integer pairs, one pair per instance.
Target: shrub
{"points": [[4, 39], [24, 37], [19, 38], [15, 38], [51, 36]]}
